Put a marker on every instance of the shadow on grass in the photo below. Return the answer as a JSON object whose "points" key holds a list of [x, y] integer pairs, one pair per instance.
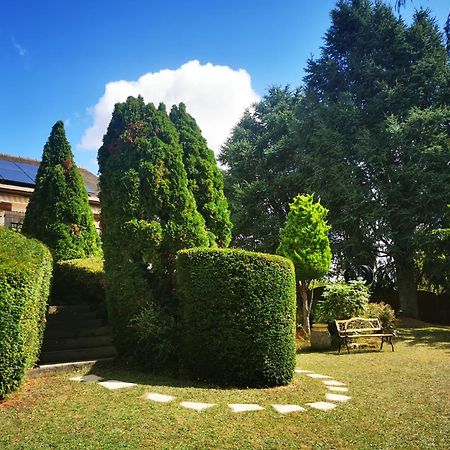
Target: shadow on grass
{"points": [[437, 337]]}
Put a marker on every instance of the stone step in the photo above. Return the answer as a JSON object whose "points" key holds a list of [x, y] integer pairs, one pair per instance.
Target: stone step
{"points": [[70, 309], [76, 342], [58, 323], [74, 315], [58, 333], [80, 354]]}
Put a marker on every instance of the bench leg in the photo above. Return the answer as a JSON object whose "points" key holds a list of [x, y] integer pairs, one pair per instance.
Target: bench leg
{"points": [[346, 344], [392, 344]]}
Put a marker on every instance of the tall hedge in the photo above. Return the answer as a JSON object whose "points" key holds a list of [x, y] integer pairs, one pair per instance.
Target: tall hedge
{"points": [[148, 214], [205, 178], [237, 312], [25, 273], [58, 212]]}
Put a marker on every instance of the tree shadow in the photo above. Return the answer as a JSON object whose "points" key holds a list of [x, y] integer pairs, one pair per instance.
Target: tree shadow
{"points": [[437, 337]]}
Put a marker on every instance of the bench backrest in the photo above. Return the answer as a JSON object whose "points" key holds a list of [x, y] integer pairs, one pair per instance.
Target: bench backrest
{"points": [[358, 324]]}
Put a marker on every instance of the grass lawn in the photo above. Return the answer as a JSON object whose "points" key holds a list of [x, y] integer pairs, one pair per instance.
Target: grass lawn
{"points": [[399, 400]]}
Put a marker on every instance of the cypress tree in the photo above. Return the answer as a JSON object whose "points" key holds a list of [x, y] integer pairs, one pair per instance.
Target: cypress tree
{"points": [[205, 178], [148, 215], [58, 212]]}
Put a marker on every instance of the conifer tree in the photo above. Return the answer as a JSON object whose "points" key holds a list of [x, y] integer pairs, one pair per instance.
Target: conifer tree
{"points": [[148, 214], [58, 212], [304, 240], [205, 178]]}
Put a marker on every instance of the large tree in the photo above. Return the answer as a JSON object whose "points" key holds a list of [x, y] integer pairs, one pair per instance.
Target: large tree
{"points": [[148, 214], [58, 212], [204, 176], [374, 122], [263, 175]]}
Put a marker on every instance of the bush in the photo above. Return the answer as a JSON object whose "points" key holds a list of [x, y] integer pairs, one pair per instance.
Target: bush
{"points": [[383, 312], [237, 312], [78, 281], [341, 301], [25, 273]]}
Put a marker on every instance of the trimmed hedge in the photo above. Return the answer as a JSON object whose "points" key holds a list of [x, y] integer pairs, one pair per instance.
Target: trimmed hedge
{"points": [[78, 281], [25, 273], [237, 313]]}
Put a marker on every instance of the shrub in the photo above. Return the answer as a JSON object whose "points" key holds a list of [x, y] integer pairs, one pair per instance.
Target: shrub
{"points": [[342, 301], [383, 312], [25, 273], [78, 281], [237, 312]]}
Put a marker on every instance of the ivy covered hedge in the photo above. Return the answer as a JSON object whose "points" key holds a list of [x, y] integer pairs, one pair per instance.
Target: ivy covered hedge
{"points": [[78, 281], [25, 273], [237, 313]]}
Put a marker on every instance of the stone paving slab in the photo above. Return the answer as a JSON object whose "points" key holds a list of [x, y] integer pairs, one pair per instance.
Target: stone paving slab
{"points": [[87, 378], [161, 398], [337, 397], [115, 384], [242, 407], [286, 409], [323, 406], [302, 371], [197, 406], [333, 383], [337, 388], [317, 375]]}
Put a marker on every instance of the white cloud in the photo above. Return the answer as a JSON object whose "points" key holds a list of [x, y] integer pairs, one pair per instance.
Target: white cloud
{"points": [[20, 50], [215, 95]]}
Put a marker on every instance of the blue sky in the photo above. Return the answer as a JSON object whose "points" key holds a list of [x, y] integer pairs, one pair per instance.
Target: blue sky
{"points": [[56, 58]]}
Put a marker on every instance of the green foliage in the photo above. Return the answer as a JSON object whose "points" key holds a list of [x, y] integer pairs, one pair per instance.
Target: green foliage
{"points": [[78, 281], [25, 273], [383, 312], [304, 238], [148, 214], [263, 175], [342, 301], [237, 316], [205, 178], [58, 212]]}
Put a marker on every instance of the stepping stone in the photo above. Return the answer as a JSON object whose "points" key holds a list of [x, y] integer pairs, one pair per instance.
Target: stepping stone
{"points": [[241, 407], [317, 375], [285, 409], [161, 398], [302, 371], [197, 406], [337, 388], [337, 397], [114, 384], [87, 378], [333, 383], [323, 406]]}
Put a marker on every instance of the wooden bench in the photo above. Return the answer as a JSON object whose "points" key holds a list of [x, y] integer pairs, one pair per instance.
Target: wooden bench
{"points": [[357, 328]]}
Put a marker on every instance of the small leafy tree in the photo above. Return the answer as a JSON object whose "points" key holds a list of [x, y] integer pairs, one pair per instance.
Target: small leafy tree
{"points": [[204, 177], [58, 212], [304, 239]]}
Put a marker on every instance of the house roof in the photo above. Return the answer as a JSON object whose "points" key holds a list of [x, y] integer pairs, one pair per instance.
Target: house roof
{"points": [[20, 171]]}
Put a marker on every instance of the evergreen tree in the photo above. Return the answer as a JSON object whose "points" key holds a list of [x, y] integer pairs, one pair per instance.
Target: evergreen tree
{"points": [[58, 212], [374, 125], [205, 178], [148, 214], [304, 240]]}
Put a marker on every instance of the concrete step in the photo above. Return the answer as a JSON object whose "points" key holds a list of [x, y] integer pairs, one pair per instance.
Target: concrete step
{"points": [[68, 309], [59, 333], [76, 342], [81, 354], [58, 323]]}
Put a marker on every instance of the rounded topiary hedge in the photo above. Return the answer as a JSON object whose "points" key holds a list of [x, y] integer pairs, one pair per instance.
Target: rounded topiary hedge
{"points": [[25, 273], [237, 316]]}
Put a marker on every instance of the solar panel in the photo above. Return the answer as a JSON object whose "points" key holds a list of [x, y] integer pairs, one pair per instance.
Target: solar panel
{"points": [[7, 165], [15, 176], [30, 170]]}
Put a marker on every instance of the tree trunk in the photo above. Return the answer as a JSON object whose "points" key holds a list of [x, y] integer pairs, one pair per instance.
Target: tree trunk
{"points": [[306, 308], [407, 289]]}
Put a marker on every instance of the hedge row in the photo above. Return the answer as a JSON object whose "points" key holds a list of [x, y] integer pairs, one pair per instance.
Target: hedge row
{"points": [[25, 273], [237, 313], [78, 281]]}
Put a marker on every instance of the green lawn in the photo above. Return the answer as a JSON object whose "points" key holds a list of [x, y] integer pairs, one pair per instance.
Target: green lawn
{"points": [[399, 400]]}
